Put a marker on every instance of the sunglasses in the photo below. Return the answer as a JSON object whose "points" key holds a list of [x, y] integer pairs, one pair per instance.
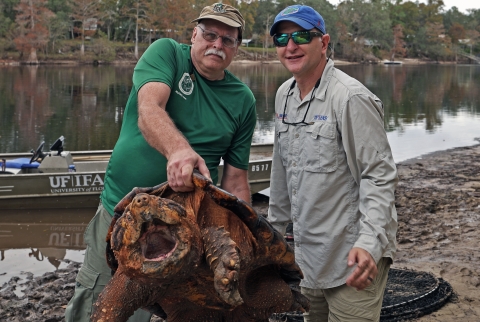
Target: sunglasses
{"points": [[212, 36], [298, 37]]}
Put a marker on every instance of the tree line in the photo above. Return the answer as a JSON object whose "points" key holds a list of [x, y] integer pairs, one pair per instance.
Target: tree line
{"points": [[360, 30]]}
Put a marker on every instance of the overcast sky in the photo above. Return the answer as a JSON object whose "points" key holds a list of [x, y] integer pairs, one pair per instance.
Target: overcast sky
{"points": [[462, 5]]}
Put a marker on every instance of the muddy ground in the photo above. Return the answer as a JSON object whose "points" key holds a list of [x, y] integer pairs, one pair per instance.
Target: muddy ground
{"points": [[438, 204]]}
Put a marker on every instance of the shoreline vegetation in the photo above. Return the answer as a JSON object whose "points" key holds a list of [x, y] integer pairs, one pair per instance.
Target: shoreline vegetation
{"points": [[246, 55], [238, 60], [99, 32]]}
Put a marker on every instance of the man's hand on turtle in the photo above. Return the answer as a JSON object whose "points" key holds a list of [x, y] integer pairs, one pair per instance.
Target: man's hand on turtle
{"points": [[180, 169]]}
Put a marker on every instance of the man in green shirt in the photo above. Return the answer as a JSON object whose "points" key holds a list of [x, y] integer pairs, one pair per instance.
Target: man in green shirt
{"points": [[185, 112]]}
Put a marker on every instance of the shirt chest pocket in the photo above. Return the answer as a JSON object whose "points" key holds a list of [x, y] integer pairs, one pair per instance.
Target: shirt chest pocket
{"points": [[320, 148]]}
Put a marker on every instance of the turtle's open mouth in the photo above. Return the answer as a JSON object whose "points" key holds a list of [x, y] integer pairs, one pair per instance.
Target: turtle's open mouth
{"points": [[157, 242]]}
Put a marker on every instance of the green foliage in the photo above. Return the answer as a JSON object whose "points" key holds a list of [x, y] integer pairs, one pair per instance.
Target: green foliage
{"points": [[103, 49], [376, 25], [453, 16], [6, 47], [58, 28], [58, 6], [363, 26], [281, 4], [249, 12], [430, 12], [8, 8], [357, 28], [266, 12], [409, 16], [7, 17], [5, 25], [109, 14]]}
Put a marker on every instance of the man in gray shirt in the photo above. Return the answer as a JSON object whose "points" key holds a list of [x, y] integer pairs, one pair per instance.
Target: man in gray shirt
{"points": [[333, 175]]}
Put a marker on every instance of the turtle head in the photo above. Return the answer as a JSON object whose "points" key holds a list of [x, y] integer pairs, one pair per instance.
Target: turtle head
{"points": [[154, 238]]}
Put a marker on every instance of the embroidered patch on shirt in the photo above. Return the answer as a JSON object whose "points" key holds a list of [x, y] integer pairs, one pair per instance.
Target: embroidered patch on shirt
{"points": [[320, 117], [279, 116], [185, 85]]}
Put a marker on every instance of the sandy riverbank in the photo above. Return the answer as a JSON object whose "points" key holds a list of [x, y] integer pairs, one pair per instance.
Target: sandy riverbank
{"points": [[438, 204]]}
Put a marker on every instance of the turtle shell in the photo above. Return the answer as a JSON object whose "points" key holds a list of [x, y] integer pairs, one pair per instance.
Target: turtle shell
{"points": [[203, 255]]}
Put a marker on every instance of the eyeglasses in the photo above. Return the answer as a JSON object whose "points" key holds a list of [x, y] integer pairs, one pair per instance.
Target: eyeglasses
{"points": [[298, 37], [302, 122], [212, 36]]}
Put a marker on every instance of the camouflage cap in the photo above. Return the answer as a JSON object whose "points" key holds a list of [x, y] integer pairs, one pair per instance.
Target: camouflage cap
{"points": [[223, 13]]}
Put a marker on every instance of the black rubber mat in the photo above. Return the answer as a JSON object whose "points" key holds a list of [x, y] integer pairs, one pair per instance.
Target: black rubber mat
{"points": [[409, 294]]}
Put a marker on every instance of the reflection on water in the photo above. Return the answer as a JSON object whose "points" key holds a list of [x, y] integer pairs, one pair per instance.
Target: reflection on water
{"points": [[83, 103], [427, 107], [37, 241], [86, 103], [263, 80]]}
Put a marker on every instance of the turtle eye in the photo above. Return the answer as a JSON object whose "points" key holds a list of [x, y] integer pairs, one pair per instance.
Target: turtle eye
{"points": [[129, 217]]}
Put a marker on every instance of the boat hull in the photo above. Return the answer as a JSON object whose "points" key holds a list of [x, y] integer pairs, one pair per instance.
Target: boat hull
{"points": [[51, 190], [82, 188]]}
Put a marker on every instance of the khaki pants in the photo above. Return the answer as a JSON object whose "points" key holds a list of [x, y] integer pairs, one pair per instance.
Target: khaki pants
{"points": [[345, 303], [94, 273]]}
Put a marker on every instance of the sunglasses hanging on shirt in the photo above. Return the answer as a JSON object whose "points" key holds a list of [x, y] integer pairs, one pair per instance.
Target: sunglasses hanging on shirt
{"points": [[302, 122]]}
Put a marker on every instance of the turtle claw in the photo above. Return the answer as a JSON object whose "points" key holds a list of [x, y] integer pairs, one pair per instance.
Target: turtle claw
{"points": [[222, 256], [226, 279]]}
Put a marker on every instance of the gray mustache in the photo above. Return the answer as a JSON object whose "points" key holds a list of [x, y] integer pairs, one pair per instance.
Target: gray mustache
{"points": [[213, 51]]}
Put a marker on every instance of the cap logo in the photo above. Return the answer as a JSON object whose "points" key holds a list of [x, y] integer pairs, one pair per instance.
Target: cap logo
{"points": [[219, 7], [290, 10]]}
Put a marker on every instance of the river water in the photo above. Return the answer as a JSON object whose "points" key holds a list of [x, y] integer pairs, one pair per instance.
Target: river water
{"points": [[427, 108]]}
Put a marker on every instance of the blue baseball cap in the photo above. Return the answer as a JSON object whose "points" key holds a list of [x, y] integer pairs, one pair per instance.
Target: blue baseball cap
{"points": [[304, 16]]}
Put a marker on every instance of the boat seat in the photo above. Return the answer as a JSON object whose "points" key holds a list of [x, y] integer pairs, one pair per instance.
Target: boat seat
{"points": [[22, 163]]}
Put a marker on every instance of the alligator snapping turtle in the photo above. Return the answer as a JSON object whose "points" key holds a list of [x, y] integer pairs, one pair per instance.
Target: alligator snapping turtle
{"points": [[196, 256]]}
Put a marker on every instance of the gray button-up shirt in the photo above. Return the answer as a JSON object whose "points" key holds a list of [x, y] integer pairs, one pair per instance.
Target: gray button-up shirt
{"points": [[334, 179]]}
